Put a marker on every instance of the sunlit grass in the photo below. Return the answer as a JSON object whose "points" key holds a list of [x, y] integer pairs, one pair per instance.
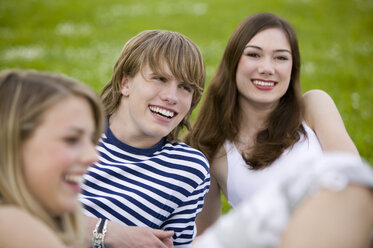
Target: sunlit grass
{"points": [[83, 39]]}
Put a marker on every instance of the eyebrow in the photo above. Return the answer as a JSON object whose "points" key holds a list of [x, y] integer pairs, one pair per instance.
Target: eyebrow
{"points": [[259, 48], [162, 74], [78, 130], [169, 76], [81, 130]]}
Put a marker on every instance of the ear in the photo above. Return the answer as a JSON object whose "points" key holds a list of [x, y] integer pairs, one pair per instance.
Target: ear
{"points": [[124, 85]]}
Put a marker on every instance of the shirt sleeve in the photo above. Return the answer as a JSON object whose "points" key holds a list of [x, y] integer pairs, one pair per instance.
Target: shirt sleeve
{"points": [[182, 220]]}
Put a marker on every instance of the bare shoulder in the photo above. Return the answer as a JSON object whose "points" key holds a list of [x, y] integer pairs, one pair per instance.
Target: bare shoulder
{"points": [[318, 105], [315, 98], [219, 161], [315, 93], [219, 168], [220, 155], [15, 223], [12, 214], [322, 116]]}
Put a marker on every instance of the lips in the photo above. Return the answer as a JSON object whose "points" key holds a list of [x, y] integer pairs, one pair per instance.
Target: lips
{"points": [[73, 181], [78, 179], [263, 85], [163, 112]]}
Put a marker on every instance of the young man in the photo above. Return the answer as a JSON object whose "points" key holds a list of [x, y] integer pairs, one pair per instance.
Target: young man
{"points": [[144, 176]]}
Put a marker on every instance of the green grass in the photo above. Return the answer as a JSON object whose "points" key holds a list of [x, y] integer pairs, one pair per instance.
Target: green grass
{"points": [[83, 39]]}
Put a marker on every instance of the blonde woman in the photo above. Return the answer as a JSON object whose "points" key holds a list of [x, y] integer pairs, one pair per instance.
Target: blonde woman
{"points": [[49, 127]]}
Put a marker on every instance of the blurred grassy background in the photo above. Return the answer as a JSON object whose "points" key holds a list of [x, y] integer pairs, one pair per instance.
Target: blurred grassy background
{"points": [[83, 39]]}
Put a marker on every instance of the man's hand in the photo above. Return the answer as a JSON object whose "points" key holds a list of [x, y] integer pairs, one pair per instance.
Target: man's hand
{"points": [[119, 236]]}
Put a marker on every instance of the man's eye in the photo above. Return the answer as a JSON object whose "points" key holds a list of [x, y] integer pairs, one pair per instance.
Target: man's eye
{"points": [[162, 79], [187, 87]]}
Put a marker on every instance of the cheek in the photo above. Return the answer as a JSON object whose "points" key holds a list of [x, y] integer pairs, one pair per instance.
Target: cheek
{"points": [[244, 67], [51, 159], [286, 71], [33, 160], [40, 172], [186, 102], [243, 74], [63, 157]]}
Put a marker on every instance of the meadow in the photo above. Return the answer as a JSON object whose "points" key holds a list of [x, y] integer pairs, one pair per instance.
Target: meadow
{"points": [[82, 39]]}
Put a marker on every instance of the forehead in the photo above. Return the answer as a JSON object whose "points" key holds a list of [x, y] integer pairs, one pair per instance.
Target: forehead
{"points": [[69, 112], [163, 69], [160, 68], [273, 38]]}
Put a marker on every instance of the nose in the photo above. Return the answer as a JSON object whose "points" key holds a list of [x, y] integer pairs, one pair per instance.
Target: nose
{"points": [[266, 66], [89, 154], [169, 93]]}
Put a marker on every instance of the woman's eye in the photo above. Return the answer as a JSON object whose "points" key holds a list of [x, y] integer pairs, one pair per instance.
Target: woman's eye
{"points": [[282, 58], [71, 140], [254, 55]]}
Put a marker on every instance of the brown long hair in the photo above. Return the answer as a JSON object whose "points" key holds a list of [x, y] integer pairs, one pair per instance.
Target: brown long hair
{"points": [[152, 48], [219, 117]]}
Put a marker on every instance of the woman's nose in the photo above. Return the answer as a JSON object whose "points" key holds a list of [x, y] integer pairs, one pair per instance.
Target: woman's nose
{"points": [[89, 154], [266, 66]]}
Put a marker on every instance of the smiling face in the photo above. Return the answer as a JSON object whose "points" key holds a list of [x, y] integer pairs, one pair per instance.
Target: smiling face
{"points": [[152, 106], [264, 69], [57, 154]]}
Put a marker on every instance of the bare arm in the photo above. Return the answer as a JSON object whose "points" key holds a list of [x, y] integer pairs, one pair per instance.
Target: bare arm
{"points": [[322, 115], [332, 219], [120, 236], [211, 208], [19, 229], [212, 205]]}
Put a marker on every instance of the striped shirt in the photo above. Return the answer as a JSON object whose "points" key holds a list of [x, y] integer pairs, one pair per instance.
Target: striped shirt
{"points": [[160, 187]]}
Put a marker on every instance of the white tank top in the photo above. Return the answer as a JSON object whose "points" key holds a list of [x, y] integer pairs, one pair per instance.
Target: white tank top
{"points": [[242, 182]]}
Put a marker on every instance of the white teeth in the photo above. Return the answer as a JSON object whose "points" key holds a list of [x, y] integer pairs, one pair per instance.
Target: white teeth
{"points": [[261, 83], [74, 179], [162, 111]]}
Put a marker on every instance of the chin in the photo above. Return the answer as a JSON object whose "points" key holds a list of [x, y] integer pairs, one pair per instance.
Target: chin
{"points": [[66, 207], [160, 133]]}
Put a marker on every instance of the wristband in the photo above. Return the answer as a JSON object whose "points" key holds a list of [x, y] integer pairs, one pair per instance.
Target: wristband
{"points": [[99, 234]]}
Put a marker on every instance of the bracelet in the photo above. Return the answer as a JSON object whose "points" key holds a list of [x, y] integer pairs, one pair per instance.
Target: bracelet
{"points": [[99, 234]]}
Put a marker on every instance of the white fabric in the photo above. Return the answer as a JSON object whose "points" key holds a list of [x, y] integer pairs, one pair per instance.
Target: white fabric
{"points": [[259, 221], [243, 182]]}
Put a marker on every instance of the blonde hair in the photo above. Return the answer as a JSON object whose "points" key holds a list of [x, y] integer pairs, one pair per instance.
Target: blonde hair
{"points": [[24, 98], [154, 48]]}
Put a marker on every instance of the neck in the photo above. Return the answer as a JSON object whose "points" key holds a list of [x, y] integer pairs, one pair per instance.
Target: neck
{"points": [[253, 119], [125, 134]]}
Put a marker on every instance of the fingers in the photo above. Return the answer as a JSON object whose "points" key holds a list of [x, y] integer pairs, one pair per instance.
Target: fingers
{"points": [[164, 237], [168, 243], [162, 234]]}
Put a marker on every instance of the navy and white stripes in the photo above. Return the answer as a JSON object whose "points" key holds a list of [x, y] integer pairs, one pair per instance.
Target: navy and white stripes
{"points": [[160, 187]]}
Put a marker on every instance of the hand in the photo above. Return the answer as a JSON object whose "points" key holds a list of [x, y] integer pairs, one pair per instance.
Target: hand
{"points": [[164, 236], [119, 236]]}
